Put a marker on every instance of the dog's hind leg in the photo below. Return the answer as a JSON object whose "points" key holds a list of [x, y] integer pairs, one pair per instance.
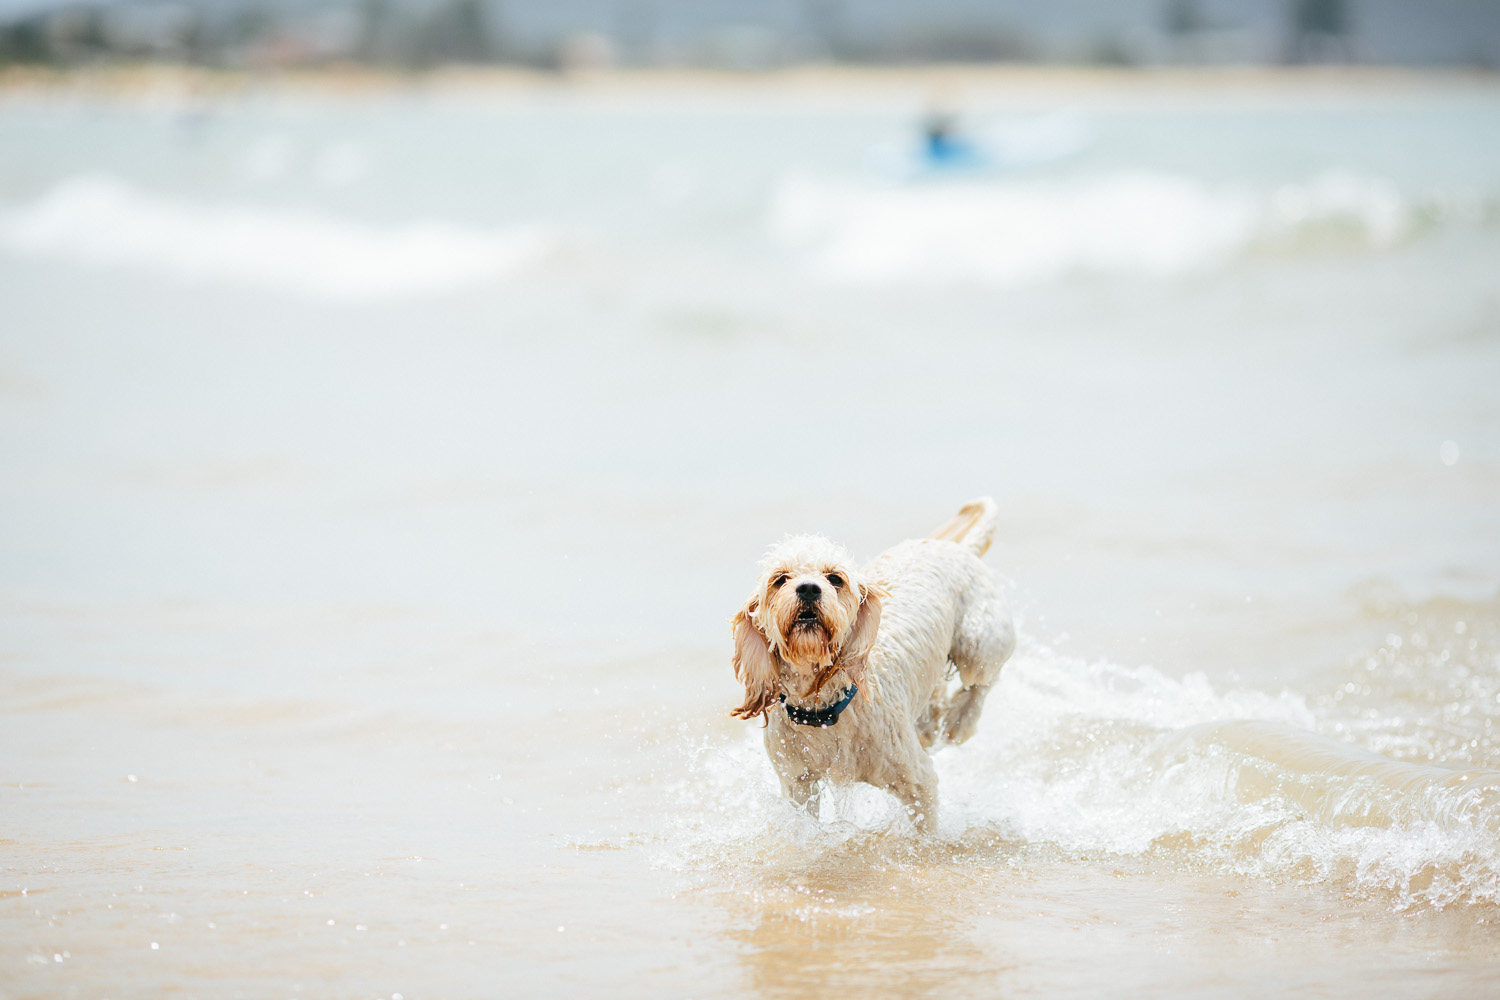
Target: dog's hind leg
{"points": [[984, 640]]}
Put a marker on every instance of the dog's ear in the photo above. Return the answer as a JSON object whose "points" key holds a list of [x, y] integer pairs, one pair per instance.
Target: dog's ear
{"points": [[754, 663], [861, 639]]}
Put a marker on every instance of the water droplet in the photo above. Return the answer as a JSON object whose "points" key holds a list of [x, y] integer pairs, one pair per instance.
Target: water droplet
{"points": [[131, 777], [154, 946], [1449, 452]]}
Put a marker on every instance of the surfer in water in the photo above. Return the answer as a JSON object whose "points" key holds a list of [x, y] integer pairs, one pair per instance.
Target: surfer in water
{"points": [[942, 144]]}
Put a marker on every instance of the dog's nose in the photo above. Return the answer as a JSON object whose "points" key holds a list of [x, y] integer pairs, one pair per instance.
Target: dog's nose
{"points": [[809, 591]]}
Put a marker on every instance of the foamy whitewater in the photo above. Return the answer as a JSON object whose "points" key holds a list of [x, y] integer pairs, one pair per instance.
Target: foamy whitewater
{"points": [[101, 221], [1007, 232], [380, 473]]}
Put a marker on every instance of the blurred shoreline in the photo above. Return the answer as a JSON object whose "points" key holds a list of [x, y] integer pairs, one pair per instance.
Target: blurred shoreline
{"points": [[837, 83]]}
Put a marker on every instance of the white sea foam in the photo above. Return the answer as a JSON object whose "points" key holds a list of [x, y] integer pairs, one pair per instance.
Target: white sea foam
{"points": [[1099, 758], [1019, 231], [101, 221]]}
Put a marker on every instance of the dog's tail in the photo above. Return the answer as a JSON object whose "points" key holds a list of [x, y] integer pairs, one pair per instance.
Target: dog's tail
{"points": [[973, 526]]}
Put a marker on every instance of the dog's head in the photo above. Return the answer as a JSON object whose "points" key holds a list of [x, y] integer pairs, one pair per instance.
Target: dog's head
{"points": [[809, 618]]}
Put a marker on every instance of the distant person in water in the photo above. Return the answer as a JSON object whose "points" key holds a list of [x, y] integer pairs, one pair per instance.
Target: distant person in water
{"points": [[938, 130], [942, 143]]}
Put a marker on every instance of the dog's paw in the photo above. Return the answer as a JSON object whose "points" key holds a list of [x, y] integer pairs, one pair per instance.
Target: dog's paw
{"points": [[962, 716]]}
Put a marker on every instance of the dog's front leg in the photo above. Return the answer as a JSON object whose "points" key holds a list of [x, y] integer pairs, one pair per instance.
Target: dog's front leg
{"points": [[803, 791], [909, 775], [794, 770]]}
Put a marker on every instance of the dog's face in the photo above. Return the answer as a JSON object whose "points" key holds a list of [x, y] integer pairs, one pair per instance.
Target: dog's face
{"points": [[809, 618], [808, 600]]}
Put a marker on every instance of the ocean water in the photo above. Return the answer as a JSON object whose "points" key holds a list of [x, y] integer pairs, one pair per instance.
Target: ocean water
{"points": [[378, 472]]}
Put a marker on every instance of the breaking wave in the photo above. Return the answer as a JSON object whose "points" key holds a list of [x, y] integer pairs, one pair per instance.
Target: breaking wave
{"points": [[101, 221], [1020, 231]]}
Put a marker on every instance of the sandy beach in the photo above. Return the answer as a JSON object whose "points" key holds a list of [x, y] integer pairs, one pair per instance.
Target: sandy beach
{"points": [[1017, 83]]}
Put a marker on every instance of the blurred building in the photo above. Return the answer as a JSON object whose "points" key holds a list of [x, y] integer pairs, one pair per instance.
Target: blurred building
{"points": [[752, 34]]}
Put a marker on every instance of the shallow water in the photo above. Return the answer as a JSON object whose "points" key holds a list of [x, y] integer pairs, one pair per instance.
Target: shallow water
{"points": [[362, 627]]}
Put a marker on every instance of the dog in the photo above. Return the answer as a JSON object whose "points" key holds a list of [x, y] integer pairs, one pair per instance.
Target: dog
{"points": [[849, 667]]}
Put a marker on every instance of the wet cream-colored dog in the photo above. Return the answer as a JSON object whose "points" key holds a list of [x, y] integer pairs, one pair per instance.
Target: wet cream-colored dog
{"points": [[849, 666]]}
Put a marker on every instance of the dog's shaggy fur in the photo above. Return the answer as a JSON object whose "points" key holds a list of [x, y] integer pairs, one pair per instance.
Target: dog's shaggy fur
{"points": [[815, 624]]}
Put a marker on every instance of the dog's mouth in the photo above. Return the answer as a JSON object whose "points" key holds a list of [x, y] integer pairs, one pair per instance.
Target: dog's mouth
{"points": [[807, 618]]}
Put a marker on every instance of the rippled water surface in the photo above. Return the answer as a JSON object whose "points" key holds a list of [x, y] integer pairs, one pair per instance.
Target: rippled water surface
{"points": [[379, 474]]}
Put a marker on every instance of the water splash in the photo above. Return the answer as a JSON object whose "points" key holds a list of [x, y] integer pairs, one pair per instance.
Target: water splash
{"points": [[1103, 759]]}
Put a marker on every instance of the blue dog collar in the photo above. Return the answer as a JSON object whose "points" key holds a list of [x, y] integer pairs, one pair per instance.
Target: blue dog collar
{"points": [[820, 717]]}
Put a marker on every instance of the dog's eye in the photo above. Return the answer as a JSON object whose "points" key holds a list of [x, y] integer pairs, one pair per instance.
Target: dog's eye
{"points": [[836, 580], [778, 581]]}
